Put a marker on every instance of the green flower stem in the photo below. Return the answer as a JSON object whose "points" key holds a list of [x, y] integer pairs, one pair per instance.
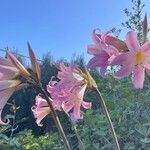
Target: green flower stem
{"points": [[81, 146], [108, 119], [56, 119]]}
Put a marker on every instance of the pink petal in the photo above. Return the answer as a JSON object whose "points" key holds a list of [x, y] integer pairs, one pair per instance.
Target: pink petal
{"points": [[40, 102], [5, 95], [7, 72], [111, 58], [65, 73], [76, 111], [67, 106], [40, 114], [95, 37], [99, 60], [81, 91], [105, 35], [57, 104], [117, 43], [122, 59], [77, 76], [111, 50], [7, 87], [5, 62], [18, 65], [138, 77], [62, 67], [5, 84], [132, 42], [93, 49], [86, 105], [124, 71], [40, 110], [146, 47], [99, 43], [110, 40]]}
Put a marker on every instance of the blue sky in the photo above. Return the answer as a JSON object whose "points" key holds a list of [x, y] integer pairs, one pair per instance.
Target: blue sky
{"points": [[62, 27]]}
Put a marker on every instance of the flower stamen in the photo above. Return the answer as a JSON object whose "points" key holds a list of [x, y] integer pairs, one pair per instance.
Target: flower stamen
{"points": [[139, 57]]}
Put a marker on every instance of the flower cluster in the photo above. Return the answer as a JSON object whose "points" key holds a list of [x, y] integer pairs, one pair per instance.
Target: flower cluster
{"points": [[67, 93], [103, 52], [132, 57]]}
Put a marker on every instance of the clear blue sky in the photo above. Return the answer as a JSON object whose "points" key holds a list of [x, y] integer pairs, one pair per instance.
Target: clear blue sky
{"points": [[62, 27]]}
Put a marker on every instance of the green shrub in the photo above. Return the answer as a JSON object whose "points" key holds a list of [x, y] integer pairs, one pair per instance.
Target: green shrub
{"points": [[129, 111], [45, 142], [25, 140]]}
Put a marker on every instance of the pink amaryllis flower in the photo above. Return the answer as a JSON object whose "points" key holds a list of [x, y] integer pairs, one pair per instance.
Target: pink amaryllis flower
{"points": [[135, 61], [103, 53], [114, 41], [7, 69], [10, 67], [7, 87], [40, 110], [15, 62], [69, 91], [74, 100]]}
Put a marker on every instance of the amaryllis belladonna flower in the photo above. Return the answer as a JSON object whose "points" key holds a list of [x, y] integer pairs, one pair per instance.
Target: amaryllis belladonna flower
{"points": [[15, 62], [7, 87], [67, 94], [10, 68], [40, 110], [135, 61], [74, 100], [113, 41], [103, 53]]}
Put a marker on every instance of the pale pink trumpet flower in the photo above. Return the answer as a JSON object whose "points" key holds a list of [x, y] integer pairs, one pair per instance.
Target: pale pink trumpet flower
{"points": [[41, 109], [7, 87], [74, 101], [10, 68], [67, 94], [15, 62], [103, 53], [7, 69], [135, 61]]}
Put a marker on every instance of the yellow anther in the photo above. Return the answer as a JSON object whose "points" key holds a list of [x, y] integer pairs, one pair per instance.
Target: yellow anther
{"points": [[139, 56]]}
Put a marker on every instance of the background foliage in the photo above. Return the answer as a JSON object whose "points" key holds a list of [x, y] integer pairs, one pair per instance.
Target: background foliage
{"points": [[129, 109]]}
